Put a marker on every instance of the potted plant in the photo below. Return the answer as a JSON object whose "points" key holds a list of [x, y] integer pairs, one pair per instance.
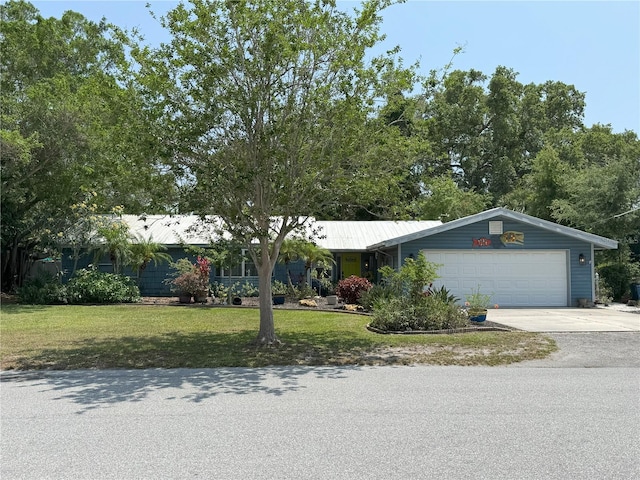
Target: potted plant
{"points": [[190, 279], [477, 304], [187, 285], [278, 292]]}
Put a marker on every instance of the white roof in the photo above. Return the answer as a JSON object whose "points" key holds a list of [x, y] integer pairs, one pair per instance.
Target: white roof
{"points": [[345, 236], [173, 229]]}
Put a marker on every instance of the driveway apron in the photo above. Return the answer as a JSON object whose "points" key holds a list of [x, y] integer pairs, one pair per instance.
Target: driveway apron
{"points": [[566, 319]]}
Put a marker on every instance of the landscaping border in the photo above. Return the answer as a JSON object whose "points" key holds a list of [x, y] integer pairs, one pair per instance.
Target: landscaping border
{"points": [[492, 328]]}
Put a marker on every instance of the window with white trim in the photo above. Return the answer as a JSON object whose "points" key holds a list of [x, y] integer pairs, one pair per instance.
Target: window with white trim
{"points": [[246, 268]]}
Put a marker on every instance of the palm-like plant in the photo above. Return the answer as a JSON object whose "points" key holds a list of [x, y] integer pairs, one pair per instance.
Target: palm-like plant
{"points": [[312, 255], [117, 244], [290, 251], [144, 251]]}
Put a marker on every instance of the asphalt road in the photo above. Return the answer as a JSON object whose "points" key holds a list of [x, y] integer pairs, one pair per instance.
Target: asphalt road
{"points": [[551, 419]]}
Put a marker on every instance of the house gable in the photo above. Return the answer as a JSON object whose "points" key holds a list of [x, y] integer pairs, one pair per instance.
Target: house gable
{"points": [[504, 215], [501, 231]]}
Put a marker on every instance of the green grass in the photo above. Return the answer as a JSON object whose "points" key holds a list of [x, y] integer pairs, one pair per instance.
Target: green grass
{"points": [[139, 336]]}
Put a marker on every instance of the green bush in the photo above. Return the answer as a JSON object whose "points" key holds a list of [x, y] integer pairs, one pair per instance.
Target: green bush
{"points": [[401, 303], [249, 290], [376, 294], [350, 289], [400, 314], [442, 294], [618, 277], [42, 290], [92, 286]]}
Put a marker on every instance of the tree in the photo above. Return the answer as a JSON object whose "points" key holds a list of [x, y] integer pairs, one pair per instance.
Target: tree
{"points": [[264, 104], [71, 126], [115, 241], [290, 252], [445, 201], [485, 131], [311, 254], [144, 251]]}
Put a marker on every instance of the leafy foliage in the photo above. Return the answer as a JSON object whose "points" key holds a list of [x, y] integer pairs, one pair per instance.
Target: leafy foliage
{"points": [[144, 251], [351, 289], [70, 126], [263, 105], [43, 290], [405, 300], [429, 313], [92, 286], [477, 300], [413, 278], [618, 276], [189, 278]]}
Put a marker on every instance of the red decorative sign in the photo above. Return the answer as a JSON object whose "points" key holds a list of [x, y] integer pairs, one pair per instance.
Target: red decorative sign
{"points": [[481, 242]]}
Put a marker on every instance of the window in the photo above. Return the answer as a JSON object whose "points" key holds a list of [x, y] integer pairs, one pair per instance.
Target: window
{"points": [[246, 268]]}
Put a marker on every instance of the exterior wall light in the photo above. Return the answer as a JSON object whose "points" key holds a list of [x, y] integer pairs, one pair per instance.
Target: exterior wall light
{"points": [[582, 260]]}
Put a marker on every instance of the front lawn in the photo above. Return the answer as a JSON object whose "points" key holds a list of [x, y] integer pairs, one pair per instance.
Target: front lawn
{"points": [[145, 336]]}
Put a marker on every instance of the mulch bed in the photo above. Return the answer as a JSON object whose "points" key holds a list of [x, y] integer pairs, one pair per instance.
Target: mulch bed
{"points": [[253, 302], [479, 327]]}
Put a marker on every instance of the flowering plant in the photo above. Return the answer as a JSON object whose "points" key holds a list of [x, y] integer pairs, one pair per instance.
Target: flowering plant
{"points": [[191, 278], [190, 283], [203, 266]]}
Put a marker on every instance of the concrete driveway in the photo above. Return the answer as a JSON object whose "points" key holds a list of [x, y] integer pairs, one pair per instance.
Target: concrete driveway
{"points": [[601, 319]]}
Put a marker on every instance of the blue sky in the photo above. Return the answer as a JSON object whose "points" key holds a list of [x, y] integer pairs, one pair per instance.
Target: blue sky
{"points": [[594, 45]]}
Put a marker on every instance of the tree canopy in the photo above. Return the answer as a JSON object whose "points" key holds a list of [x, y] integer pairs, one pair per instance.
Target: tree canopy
{"points": [[266, 104], [71, 127]]}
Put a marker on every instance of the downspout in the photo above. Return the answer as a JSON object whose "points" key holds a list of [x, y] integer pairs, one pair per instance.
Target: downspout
{"points": [[593, 272]]}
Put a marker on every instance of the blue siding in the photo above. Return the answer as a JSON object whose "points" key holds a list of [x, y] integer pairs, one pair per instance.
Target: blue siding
{"points": [[152, 279], [580, 276]]}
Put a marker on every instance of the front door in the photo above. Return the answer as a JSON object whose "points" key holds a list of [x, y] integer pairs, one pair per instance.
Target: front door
{"points": [[350, 265]]}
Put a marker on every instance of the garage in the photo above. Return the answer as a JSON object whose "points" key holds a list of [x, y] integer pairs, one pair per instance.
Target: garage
{"points": [[513, 278]]}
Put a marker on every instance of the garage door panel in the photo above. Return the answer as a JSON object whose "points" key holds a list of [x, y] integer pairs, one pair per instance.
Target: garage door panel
{"points": [[522, 278]]}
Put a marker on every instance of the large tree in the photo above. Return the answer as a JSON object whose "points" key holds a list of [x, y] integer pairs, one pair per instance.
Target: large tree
{"points": [[71, 128], [265, 103], [485, 131]]}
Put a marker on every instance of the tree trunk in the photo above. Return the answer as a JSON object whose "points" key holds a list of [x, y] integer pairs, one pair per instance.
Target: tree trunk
{"points": [[267, 334]]}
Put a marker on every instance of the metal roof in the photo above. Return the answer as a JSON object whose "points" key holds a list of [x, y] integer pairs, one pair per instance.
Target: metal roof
{"points": [[337, 236], [173, 229], [348, 236], [596, 240]]}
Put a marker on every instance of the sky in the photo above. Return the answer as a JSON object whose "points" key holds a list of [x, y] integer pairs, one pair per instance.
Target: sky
{"points": [[593, 45]]}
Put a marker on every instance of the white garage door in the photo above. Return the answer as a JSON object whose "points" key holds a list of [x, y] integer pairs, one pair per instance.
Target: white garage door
{"points": [[514, 278]]}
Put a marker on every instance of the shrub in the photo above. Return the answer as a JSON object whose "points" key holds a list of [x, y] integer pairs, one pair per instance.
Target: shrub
{"points": [[412, 278], [442, 294], [42, 290], [404, 314], [618, 276], [92, 286], [376, 294], [249, 290], [278, 288], [189, 278], [189, 283], [350, 289]]}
